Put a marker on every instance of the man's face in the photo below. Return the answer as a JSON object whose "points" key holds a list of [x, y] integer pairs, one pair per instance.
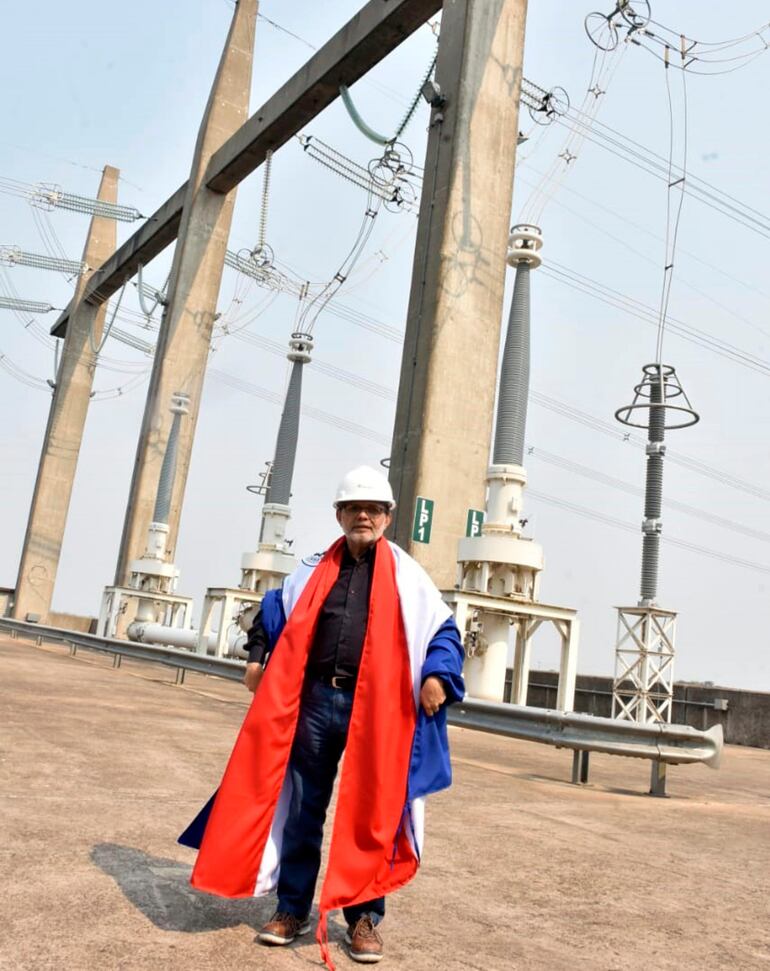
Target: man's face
{"points": [[363, 522]]}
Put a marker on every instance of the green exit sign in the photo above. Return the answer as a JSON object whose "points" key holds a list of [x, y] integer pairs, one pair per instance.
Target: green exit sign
{"points": [[423, 520], [474, 522]]}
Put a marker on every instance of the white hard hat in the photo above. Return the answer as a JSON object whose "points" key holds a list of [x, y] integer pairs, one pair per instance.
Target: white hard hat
{"points": [[364, 484]]}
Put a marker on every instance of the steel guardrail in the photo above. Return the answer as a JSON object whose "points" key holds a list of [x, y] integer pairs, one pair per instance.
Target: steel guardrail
{"points": [[231, 670], [661, 743], [672, 744]]}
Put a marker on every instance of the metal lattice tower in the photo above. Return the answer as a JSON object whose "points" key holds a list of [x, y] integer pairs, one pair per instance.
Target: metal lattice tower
{"points": [[643, 687]]}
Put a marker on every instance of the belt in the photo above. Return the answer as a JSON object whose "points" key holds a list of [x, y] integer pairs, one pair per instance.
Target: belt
{"points": [[343, 682]]}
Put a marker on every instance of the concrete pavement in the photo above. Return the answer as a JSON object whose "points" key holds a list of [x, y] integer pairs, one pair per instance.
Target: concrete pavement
{"points": [[101, 768]]}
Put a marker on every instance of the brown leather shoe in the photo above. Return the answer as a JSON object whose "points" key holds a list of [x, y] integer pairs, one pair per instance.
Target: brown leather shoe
{"points": [[282, 929], [365, 941]]}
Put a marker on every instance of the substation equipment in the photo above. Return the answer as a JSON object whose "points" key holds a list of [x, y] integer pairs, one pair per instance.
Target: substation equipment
{"points": [[150, 595], [498, 569], [231, 144], [229, 612], [264, 569], [643, 685]]}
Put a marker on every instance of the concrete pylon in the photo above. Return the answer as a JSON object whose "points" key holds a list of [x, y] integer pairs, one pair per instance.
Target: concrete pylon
{"points": [[196, 275], [449, 367], [66, 420]]}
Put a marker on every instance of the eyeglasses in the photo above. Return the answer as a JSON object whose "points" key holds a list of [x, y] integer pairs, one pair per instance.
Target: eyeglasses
{"points": [[371, 510]]}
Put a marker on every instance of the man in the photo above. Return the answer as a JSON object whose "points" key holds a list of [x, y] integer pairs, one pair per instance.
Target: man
{"points": [[358, 653]]}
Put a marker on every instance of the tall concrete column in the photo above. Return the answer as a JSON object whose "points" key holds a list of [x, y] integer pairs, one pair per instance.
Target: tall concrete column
{"points": [[66, 421], [196, 275], [449, 367]]}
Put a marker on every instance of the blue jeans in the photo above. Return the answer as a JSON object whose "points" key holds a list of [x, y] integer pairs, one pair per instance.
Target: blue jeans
{"points": [[322, 731]]}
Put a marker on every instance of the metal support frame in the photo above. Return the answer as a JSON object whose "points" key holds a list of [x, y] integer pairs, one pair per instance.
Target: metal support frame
{"points": [[121, 602], [470, 609], [231, 601], [643, 686]]}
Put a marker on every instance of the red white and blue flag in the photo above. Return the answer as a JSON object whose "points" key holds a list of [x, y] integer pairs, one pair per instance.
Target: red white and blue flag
{"points": [[394, 756]]}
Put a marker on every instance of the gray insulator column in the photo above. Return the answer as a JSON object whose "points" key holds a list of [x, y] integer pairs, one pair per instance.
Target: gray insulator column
{"points": [[282, 471], [653, 495], [279, 487], [168, 469], [511, 423]]}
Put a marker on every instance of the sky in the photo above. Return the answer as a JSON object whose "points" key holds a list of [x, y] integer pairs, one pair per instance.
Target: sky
{"points": [[90, 84]]}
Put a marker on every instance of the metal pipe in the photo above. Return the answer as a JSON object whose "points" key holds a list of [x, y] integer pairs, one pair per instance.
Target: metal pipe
{"points": [[148, 632]]}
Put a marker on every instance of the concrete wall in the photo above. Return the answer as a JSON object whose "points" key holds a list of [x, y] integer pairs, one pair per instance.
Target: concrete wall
{"points": [[85, 625], [745, 722], [6, 597]]}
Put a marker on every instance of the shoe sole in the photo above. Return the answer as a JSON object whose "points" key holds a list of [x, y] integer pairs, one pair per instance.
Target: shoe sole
{"points": [[277, 941], [363, 958]]}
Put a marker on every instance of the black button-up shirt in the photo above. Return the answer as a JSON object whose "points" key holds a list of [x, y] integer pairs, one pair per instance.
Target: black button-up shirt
{"points": [[341, 628]]}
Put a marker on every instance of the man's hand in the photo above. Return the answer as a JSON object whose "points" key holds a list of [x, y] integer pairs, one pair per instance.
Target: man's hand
{"points": [[432, 695], [253, 675]]}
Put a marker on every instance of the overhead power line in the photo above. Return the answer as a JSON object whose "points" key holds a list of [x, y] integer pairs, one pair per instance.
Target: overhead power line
{"points": [[571, 413], [630, 528], [623, 147], [596, 475], [636, 308], [346, 377], [367, 433], [317, 414]]}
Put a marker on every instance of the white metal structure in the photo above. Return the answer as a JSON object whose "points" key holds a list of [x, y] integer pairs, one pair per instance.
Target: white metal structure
{"points": [[119, 603], [486, 622], [643, 688], [497, 588]]}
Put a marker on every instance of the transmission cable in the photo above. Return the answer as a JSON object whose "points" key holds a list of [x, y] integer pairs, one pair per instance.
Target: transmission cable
{"points": [[680, 183], [596, 475]]}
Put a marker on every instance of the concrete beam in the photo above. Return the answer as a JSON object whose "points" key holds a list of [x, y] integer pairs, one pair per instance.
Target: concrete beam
{"points": [[374, 32], [364, 41]]}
